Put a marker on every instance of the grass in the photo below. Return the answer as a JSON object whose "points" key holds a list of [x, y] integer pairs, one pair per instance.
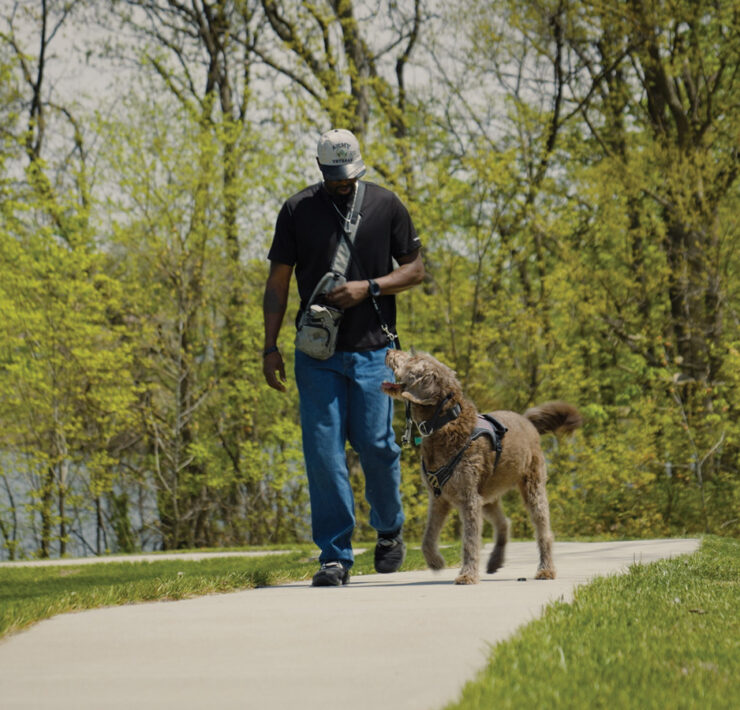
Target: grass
{"points": [[30, 594], [664, 635]]}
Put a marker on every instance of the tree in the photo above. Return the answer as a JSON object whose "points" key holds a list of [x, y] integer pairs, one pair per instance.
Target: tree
{"points": [[571, 167], [64, 368], [655, 93], [614, 251], [203, 54], [66, 393], [352, 65]]}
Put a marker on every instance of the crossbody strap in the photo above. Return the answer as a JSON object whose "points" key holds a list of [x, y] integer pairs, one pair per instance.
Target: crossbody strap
{"points": [[343, 254], [346, 251]]}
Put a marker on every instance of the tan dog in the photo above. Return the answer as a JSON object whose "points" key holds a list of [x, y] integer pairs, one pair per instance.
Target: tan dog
{"points": [[477, 482]]}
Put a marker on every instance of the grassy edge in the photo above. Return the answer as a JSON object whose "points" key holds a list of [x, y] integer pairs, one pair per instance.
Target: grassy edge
{"points": [[664, 634]]}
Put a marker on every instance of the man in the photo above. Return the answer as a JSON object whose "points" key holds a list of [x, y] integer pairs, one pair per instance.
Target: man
{"points": [[340, 398]]}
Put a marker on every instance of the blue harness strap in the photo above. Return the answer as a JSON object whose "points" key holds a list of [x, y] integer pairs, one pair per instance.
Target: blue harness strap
{"points": [[487, 426]]}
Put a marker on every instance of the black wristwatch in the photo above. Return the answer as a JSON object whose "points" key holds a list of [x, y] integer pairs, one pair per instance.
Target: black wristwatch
{"points": [[373, 288]]}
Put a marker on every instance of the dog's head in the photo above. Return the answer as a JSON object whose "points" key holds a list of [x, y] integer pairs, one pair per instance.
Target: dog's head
{"points": [[419, 378]]}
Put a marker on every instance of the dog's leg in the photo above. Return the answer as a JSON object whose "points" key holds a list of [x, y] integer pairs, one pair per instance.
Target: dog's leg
{"points": [[438, 510], [494, 513], [535, 499], [470, 512]]}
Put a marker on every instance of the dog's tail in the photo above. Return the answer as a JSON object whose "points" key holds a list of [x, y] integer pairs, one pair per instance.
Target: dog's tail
{"points": [[557, 417]]}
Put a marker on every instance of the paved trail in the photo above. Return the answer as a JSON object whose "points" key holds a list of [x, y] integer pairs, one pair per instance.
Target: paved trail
{"points": [[405, 641]]}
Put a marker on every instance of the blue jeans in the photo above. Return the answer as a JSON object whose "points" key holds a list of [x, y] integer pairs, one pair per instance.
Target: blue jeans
{"points": [[340, 401]]}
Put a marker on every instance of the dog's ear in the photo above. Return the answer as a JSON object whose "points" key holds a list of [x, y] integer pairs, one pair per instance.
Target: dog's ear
{"points": [[423, 390], [445, 378], [417, 400]]}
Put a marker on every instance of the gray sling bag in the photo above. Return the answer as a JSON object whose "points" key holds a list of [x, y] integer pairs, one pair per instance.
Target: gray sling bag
{"points": [[317, 329]]}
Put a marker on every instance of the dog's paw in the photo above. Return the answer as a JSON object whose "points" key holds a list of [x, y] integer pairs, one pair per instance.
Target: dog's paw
{"points": [[434, 561], [545, 574], [495, 560], [466, 578]]}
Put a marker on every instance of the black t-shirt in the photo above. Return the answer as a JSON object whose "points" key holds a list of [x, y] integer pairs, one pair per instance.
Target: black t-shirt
{"points": [[306, 235]]}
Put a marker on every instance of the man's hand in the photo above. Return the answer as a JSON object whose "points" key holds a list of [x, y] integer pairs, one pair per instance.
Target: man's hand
{"points": [[272, 367], [348, 294], [410, 272]]}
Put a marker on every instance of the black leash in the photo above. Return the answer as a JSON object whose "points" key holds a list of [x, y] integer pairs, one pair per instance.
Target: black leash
{"points": [[392, 337], [406, 438]]}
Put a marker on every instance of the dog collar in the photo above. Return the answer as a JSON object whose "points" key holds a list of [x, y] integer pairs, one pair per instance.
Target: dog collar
{"points": [[438, 419]]}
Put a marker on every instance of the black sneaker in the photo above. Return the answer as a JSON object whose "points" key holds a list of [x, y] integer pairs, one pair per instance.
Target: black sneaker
{"points": [[390, 553], [331, 574]]}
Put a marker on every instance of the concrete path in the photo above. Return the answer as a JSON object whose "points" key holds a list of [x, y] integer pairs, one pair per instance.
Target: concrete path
{"points": [[406, 641]]}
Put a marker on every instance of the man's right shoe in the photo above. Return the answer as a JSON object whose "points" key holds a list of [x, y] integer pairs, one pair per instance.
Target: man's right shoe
{"points": [[331, 574], [390, 552]]}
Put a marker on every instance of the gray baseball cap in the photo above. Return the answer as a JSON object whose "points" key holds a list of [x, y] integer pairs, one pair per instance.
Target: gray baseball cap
{"points": [[339, 156]]}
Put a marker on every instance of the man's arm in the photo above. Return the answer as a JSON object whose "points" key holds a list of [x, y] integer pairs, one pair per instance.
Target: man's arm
{"points": [[410, 272], [274, 303]]}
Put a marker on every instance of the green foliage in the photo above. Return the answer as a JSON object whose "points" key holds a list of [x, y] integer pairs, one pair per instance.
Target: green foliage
{"points": [[587, 259], [224, 452], [65, 385], [571, 170]]}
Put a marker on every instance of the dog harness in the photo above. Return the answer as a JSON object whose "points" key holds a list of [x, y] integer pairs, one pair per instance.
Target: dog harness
{"points": [[487, 426]]}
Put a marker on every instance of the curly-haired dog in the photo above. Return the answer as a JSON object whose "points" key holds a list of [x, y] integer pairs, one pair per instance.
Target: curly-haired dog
{"points": [[462, 466]]}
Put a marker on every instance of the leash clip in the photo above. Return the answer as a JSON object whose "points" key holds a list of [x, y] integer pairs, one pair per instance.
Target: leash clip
{"points": [[389, 334]]}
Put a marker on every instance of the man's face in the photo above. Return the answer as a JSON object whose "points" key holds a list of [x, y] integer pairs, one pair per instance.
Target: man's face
{"points": [[340, 188]]}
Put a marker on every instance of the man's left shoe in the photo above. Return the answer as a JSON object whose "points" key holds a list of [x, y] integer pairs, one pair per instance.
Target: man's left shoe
{"points": [[331, 574], [390, 552]]}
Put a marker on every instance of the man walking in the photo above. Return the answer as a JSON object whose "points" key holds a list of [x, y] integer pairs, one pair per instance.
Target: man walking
{"points": [[340, 397]]}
